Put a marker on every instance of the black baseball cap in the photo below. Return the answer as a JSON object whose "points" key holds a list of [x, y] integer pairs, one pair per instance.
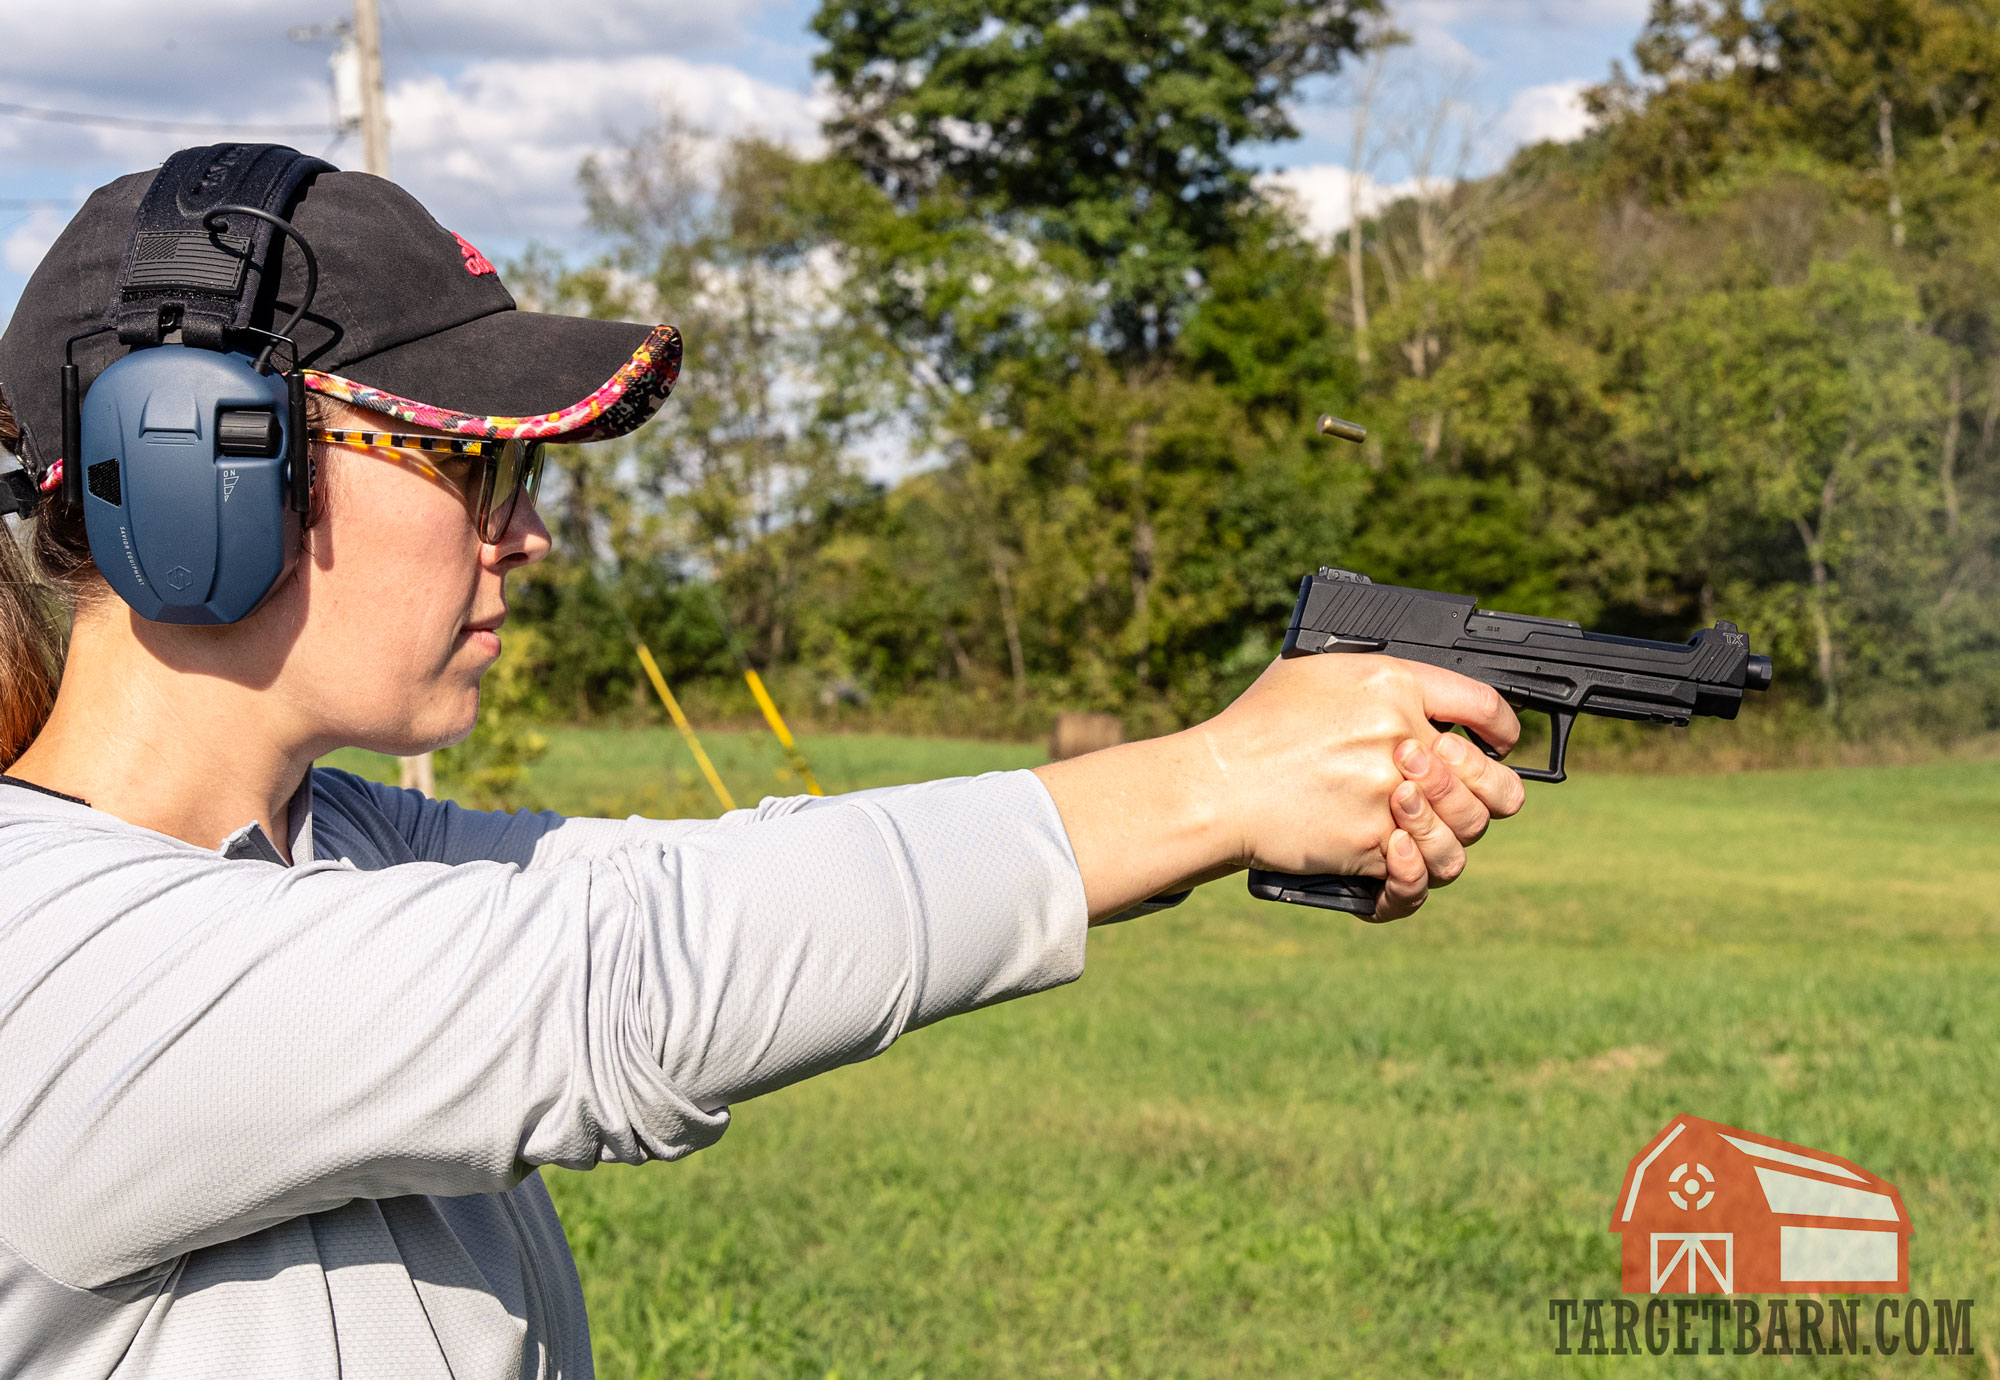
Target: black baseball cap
{"points": [[408, 319]]}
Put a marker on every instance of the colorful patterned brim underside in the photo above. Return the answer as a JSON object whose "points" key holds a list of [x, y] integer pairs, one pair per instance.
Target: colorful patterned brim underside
{"points": [[623, 403]]}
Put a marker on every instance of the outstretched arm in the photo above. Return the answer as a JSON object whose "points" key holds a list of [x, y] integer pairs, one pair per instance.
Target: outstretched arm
{"points": [[1326, 764]]}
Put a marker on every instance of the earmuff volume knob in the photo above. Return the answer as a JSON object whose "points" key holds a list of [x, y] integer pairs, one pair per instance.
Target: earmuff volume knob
{"points": [[249, 431]]}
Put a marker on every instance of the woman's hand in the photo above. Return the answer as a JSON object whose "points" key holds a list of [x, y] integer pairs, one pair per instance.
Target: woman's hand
{"points": [[1326, 764]]}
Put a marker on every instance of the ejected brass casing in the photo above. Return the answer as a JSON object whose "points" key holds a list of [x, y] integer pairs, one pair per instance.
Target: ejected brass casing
{"points": [[1330, 425]]}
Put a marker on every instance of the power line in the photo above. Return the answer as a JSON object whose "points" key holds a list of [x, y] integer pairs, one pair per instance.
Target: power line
{"points": [[77, 117]]}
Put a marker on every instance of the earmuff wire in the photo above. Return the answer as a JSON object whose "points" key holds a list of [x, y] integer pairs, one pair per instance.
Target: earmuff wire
{"points": [[290, 232], [69, 346], [297, 454], [274, 340], [72, 419], [71, 459]]}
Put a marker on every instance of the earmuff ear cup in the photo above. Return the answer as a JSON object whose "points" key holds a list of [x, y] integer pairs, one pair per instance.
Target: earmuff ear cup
{"points": [[192, 521]]}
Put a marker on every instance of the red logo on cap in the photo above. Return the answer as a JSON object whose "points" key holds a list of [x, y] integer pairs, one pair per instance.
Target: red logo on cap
{"points": [[476, 263]]}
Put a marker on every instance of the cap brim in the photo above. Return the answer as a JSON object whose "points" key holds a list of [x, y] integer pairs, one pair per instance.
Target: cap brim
{"points": [[518, 374]]}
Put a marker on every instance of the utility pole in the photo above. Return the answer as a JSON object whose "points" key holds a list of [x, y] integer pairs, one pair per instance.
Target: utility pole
{"points": [[374, 104], [360, 102], [417, 772]]}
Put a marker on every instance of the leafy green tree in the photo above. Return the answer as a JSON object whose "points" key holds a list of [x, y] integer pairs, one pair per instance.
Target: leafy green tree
{"points": [[1825, 396], [1895, 94], [736, 479], [1851, 137], [1060, 182], [1732, 355], [1111, 131]]}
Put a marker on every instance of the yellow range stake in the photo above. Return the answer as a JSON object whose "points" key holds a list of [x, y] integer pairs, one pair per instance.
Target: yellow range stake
{"points": [[777, 723], [686, 728]]}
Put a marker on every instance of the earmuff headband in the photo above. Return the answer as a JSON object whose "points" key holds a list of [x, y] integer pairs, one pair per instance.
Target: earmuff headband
{"points": [[183, 269]]}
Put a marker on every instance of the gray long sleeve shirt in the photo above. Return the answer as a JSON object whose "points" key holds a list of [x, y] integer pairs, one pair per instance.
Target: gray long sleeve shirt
{"points": [[267, 1121]]}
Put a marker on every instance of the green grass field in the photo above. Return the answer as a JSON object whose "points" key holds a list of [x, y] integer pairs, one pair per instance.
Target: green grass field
{"points": [[619, 771], [1256, 1140]]}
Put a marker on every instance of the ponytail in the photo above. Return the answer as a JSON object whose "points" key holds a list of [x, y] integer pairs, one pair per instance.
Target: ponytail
{"points": [[37, 595]]}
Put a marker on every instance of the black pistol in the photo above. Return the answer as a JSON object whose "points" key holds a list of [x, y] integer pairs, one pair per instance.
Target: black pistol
{"points": [[1543, 664]]}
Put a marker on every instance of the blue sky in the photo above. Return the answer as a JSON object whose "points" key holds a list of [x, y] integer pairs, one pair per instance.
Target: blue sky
{"points": [[493, 103]]}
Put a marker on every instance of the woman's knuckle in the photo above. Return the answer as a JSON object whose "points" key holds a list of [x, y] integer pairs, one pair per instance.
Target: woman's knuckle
{"points": [[1390, 680], [1442, 783], [1495, 786], [1379, 723]]}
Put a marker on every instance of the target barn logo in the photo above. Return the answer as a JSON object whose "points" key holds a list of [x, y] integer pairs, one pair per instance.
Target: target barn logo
{"points": [[1710, 1209]]}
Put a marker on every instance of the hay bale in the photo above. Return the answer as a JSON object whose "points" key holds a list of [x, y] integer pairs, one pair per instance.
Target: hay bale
{"points": [[1076, 734]]}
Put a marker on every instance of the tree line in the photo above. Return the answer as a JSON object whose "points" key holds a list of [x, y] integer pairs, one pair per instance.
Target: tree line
{"points": [[1005, 401]]}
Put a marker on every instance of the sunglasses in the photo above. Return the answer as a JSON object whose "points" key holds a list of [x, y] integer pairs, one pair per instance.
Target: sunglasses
{"points": [[512, 470]]}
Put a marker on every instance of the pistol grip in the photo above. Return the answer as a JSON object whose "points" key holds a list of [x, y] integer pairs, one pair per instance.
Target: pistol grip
{"points": [[1327, 890], [1358, 895]]}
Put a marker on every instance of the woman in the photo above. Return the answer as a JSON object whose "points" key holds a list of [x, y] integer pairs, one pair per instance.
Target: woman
{"points": [[283, 1049]]}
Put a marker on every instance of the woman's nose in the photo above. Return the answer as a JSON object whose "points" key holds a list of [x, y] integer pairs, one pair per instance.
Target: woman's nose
{"points": [[525, 541]]}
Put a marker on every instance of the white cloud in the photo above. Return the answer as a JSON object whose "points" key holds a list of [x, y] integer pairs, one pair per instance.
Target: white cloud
{"points": [[492, 149], [1439, 29], [514, 26], [1435, 45], [1553, 113], [31, 238], [1325, 193], [1535, 13], [498, 146], [232, 58], [493, 104]]}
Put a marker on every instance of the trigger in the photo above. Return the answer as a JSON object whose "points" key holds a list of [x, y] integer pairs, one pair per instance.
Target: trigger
{"points": [[1484, 746], [1477, 741]]}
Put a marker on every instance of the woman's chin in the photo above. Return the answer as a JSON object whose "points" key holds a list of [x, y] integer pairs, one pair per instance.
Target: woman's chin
{"points": [[435, 725]]}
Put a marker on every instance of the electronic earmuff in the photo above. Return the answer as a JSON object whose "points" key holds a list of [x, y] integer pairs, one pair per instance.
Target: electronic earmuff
{"points": [[189, 457]]}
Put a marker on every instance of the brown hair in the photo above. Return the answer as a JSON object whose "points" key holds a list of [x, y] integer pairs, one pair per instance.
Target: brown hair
{"points": [[39, 591]]}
